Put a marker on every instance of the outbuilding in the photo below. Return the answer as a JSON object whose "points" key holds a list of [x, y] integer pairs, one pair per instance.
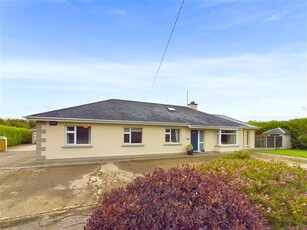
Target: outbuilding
{"points": [[283, 135]]}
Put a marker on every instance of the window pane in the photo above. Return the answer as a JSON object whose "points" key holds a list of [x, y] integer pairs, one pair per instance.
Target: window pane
{"points": [[201, 136], [201, 146], [126, 138], [70, 128], [136, 137], [70, 138], [83, 135], [228, 139], [136, 130], [175, 135], [167, 138], [127, 130], [229, 131], [167, 130]]}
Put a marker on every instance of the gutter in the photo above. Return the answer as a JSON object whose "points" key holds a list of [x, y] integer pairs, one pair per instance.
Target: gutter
{"points": [[222, 127], [78, 120]]}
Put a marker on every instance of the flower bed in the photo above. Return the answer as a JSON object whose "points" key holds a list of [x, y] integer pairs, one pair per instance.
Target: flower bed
{"points": [[277, 188]]}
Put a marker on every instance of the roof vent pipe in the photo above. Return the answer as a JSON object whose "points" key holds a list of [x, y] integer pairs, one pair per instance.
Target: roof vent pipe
{"points": [[193, 105]]}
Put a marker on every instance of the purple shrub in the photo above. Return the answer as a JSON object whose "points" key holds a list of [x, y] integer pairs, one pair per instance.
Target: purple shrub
{"points": [[180, 198]]}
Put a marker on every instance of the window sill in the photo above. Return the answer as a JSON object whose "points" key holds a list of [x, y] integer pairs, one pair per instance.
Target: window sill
{"points": [[227, 145], [77, 146], [172, 144], [133, 145]]}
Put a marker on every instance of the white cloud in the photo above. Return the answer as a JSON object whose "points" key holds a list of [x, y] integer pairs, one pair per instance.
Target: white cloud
{"points": [[240, 70], [272, 84], [276, 17]]}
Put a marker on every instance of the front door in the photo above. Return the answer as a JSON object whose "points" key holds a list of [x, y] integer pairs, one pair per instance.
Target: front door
{"points": [[194, 139]]}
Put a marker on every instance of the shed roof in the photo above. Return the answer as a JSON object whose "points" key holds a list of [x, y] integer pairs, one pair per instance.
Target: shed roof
{"points": [[136, 111], [278, 131]]}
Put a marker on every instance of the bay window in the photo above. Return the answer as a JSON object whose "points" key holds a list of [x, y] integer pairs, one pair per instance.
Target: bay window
{"points": [[227, 137]]}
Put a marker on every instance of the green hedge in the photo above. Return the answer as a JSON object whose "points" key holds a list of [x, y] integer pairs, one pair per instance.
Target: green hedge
{"points": [[16, 136], [298, 128]]}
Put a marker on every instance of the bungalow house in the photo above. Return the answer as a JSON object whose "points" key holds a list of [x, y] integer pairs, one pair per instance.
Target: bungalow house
{"points": [[126, 129]]}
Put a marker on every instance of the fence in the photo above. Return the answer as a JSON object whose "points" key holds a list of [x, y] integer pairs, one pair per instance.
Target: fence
{"points": [[3, 144], [268, 142]]}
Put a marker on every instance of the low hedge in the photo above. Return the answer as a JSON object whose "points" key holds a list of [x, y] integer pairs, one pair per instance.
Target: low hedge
{"points": [[180, 198], [16, 136]]}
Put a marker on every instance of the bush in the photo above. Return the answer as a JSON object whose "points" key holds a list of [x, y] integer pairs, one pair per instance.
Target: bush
{"points": [[301, 142], [181, 198], [16, 136], [189, 147], [277, 188], [237, 155]]}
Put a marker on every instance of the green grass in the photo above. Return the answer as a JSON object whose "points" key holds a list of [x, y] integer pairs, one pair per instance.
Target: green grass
{"points": [[288, 152]]}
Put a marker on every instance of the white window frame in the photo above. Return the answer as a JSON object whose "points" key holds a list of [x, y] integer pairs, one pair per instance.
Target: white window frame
{"points": [[130, 135], [75, 135], [169, 133], [219, 137]]}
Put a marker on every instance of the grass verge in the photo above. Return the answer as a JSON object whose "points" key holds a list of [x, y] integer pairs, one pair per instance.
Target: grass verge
{"points": [[287, 152]]}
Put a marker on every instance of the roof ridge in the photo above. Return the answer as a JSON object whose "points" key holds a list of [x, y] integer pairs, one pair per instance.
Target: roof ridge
{"points": [[146, 102], [281, 129]]}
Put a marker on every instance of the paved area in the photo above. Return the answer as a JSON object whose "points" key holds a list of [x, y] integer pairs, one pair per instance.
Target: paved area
{"points": [[16, 156], [63, 195]]}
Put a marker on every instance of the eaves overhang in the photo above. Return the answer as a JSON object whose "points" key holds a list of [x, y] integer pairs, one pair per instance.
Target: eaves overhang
{"points": [[98, 121], [223, 127]]}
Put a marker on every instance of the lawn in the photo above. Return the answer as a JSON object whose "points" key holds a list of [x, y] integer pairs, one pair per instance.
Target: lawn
{"points": [[288, 152]]}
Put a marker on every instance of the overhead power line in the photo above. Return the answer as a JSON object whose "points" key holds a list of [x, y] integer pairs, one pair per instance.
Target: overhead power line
{"points": [[169, 39]]}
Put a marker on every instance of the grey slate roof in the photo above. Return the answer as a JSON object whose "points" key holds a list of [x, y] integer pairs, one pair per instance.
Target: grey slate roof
{"points": [[135, 111], [280, 131], [237, 121]]}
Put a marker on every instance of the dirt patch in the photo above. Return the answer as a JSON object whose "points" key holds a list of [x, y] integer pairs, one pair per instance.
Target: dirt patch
{"points": [[148, 165]]}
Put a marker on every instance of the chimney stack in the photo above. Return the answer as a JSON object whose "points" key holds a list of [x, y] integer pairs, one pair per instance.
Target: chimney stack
{"points": [[192, 105]]}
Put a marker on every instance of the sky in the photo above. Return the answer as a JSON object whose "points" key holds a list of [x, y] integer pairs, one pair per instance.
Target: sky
{"points": [[241, 58]]}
